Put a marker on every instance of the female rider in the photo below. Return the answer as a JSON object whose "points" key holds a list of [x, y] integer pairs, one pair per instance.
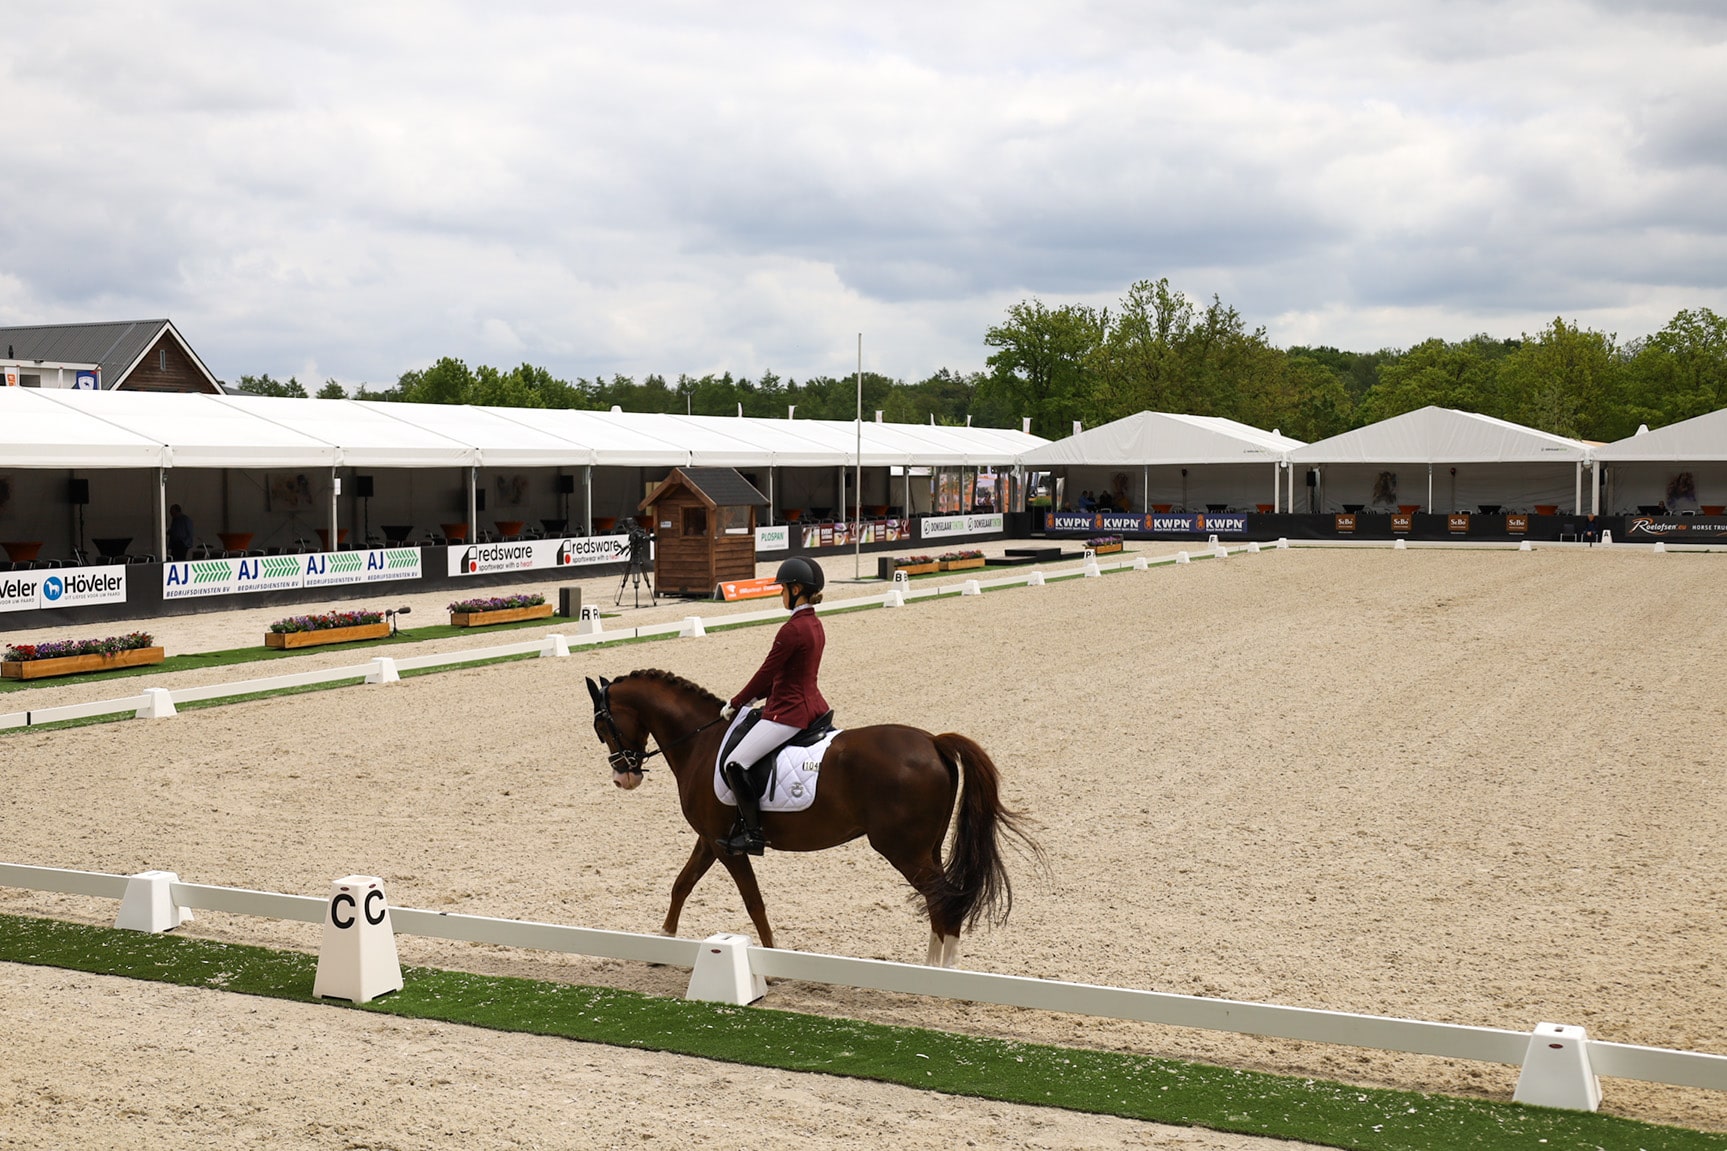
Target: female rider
{"points": [[787, 680]]}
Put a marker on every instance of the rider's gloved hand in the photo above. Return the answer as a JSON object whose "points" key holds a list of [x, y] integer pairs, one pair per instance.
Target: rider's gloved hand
{"points": [[727, 712]]}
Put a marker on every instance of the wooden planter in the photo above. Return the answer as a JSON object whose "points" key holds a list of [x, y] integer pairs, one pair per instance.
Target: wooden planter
{"points": [[379, 630], [1105, 549], [961, 565], [919, 569], [502, 615], [75, 664]]}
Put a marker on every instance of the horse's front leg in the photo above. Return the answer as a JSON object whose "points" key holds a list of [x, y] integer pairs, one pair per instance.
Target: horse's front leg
{"points": [[745, 877], [701, 859]]}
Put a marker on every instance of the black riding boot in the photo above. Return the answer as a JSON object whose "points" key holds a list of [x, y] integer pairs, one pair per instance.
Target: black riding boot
{"points": [[746, 837]]}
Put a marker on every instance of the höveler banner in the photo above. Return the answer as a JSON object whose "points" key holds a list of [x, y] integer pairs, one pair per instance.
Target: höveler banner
{"points": [[1179, 523], [248, 574], [936, 527], [62, 587], [533, 555]]}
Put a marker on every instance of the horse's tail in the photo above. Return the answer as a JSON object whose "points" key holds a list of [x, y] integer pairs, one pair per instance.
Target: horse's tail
{"points": [[977, 884]]}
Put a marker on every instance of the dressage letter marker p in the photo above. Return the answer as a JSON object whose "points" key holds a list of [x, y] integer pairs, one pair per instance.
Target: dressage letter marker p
{"points": [[357, 960]]}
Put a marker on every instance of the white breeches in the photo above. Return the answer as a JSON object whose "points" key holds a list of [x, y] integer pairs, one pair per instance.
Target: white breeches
{"points": [[764, 737]]}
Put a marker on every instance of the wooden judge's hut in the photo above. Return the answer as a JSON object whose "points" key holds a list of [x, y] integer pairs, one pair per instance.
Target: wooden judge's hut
{"points": [[704, 522]]}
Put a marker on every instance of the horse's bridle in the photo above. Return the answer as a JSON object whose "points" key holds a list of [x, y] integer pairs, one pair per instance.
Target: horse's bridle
{"points": [[627, 760]]}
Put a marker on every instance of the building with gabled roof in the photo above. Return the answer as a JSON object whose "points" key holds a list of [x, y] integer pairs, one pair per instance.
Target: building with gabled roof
{"points": [[128, 355]]}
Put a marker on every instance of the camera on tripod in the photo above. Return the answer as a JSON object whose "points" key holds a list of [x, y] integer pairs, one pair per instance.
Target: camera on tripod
{"points": [[641, 555]]}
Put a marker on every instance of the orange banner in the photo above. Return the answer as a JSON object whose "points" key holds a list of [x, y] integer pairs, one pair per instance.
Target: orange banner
{"points": [[749, 589]]}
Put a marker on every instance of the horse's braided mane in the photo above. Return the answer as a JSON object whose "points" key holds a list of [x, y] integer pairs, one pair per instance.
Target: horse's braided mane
{"points": [[677, 681]]}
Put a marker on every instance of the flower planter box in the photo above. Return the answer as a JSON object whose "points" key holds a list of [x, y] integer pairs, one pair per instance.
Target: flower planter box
{"points": [[1105, 549], [76, 664], [502, 615], [961, 565], [379, 630], [919, 569]]}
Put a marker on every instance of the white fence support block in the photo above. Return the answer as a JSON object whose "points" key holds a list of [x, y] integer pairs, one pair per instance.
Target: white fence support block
{"points": [[893, 599], [1253, 547], [1220, 551], [1282, 543], [692, 628], [722, 972], [357, 959], [1660, 547], [160, 705], [1140, 564], [1211, 542], [555, 646], [1524, 547], [589, 624], [1035, 579], [1182, 558], [148, 904], [1556, 1071], [1400, 545], [383, 670], [972, 587]]}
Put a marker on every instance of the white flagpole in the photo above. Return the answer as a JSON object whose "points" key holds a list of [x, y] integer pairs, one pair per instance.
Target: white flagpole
{"points": [[857, 480]]}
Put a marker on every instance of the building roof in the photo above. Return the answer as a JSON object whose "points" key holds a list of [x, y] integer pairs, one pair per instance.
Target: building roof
{"points": [[724, 487], [1436, 435], [115, 346], [1163, 438], [1694, 440]]}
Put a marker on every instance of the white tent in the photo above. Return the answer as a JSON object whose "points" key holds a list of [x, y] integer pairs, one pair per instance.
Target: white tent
{"points": [[365, 436], [1676, 469], [1182, 461], [1461, 462], [40, 433], [199, 431]]}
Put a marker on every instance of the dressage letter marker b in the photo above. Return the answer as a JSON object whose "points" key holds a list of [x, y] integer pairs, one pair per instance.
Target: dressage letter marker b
{"points": [[357, 960]]}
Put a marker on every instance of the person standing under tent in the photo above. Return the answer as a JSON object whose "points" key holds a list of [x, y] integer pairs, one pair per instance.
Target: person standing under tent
{"points": [[787, 683], [180, 534]]}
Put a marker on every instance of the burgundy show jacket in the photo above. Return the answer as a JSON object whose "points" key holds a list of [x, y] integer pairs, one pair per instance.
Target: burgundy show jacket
{"points": [[787, 678]]}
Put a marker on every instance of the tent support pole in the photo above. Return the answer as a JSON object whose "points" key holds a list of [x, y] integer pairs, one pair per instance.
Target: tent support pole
{"points": [[1595, 490], [473, 510], [1429, 489], [162, 513], [1577, 496], [335, 535], [1276, 485], [771, 505], [1144, 488], [588, 500]]}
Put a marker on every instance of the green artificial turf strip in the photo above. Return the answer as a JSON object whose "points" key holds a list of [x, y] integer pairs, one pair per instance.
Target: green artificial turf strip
{"points": [[1131, 1086]]}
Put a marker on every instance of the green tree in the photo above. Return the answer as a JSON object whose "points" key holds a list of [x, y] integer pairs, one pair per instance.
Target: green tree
{"points": [[1461, 375], [332, 391], [1561, 381], [1678, 373], [1041, 366], [265, 386]]}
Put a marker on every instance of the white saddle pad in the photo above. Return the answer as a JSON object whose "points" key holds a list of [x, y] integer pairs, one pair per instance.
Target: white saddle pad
{"points": [[792, 784]]}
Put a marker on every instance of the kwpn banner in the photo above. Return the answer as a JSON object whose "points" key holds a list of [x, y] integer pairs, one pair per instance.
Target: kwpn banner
{"points": [[1678, 529], [1179, 523], [248, 574], [62, 587], [534, 555]]}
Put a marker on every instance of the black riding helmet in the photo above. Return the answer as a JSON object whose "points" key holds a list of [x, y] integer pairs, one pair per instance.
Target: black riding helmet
{"points": [[805, 573]]}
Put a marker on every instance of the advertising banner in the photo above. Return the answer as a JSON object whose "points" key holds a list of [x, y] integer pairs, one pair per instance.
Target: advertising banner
{"points": [[1183, 523], [246, 574], [62, 587], [1676, 529], [774, 539], [844, 535], [1457, 524], [940, 527], [535, 555]]}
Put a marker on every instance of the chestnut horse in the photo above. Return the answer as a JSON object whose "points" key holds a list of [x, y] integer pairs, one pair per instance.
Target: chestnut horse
{"points": [[894, 784]]}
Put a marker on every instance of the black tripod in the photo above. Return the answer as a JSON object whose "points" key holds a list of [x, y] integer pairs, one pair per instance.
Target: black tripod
{"points": [[638, 567]]}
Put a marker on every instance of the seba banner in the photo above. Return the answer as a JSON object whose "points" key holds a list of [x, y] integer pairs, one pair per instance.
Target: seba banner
{"points": [[62, 587]]}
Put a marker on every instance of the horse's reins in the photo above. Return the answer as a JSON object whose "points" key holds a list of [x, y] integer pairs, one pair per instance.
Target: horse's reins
{"points": [[628, 759]]}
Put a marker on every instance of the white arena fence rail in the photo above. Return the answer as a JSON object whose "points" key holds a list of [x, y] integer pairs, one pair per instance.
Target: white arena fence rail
{"points": [[159, 703], [1560, 1065]]}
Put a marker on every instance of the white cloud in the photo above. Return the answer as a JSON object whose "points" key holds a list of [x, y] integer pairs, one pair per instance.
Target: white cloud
{"points": [[690, 188]]}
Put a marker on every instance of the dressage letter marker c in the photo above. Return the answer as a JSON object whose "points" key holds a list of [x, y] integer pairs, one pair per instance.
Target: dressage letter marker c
{"points": [[357, 960]]}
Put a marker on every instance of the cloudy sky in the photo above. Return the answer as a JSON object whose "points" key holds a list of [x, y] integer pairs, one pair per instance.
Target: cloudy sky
{"points": [[351, 190]]}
